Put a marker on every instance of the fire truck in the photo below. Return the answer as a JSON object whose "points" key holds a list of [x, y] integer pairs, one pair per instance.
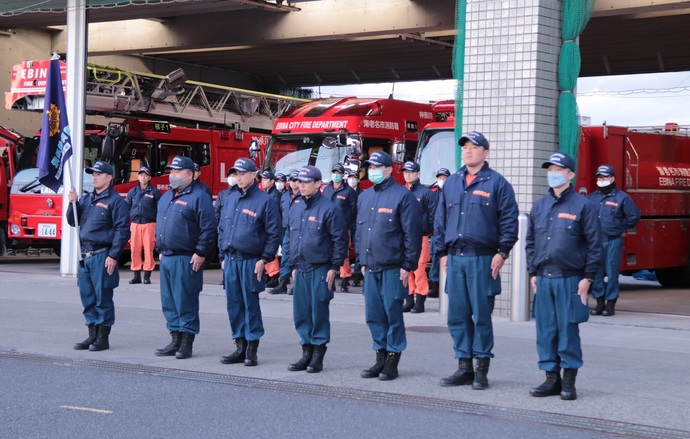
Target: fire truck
{"points": [[437, 147], [652, 165], [347, 131], [12, 159], [155, 111]]}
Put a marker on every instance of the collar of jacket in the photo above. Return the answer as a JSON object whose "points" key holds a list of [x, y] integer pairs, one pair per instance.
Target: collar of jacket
{"points": [[415, 184], [250, 190], [564, 194], [184, 191], [385, 184], [311, 200], [104, 194], [481, 173]]}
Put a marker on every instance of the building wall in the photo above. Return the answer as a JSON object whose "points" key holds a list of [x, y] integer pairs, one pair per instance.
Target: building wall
{"points": [[511, 95]]}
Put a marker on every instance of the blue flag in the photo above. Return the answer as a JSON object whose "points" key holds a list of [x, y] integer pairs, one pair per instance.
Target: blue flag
{"points": [[56, 139]]}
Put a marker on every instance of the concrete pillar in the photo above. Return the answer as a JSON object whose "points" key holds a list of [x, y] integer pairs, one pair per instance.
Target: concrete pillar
{"points": [[511, 95]]}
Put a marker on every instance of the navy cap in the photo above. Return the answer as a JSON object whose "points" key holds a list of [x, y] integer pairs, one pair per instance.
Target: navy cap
{"points": [[181, 162], [353, 174], [281, 177], [309, 173], [196, 167], [411, 166], [380, 158], [145, 170], [560, 159], [101, 168], [443, 171], [338, 168], [605, 171], [268, 174], [231, 171], [244, 165], [294, 174], [475, 137]]}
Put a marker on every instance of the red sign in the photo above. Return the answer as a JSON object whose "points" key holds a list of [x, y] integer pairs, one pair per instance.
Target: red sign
{"points": [[29, 78]]}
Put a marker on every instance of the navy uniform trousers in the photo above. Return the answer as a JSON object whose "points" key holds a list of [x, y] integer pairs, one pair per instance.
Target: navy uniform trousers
{"points": [[610, 266], [384, 294], [471, 294], [310, 306], [242, 292], [180, 288], [96, 290], [558, 310]]}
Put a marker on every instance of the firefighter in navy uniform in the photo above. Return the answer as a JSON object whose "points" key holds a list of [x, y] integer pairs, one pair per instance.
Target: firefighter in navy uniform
{"points": [[185, 236], [353, 182], [268, 182], [343, 196], [248, 237], [197, 180], [441, 176], [103, 219], [317, 246], [418, 280], [286, 199], [617, 212], [142, 200], [475, 229], [563, 246], [388, 241]]}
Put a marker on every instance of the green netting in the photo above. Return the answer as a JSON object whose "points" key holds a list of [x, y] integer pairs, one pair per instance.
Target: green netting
{"points": [[459, 71], [576, 14], [19, 7]]}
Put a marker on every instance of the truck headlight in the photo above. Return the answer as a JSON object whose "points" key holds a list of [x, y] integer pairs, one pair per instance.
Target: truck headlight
{"points": [[14, 229]]}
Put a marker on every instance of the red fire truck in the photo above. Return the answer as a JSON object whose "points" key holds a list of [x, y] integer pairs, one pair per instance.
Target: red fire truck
{"points": [[346, 130], [653, 166], [437, 147], [35, 211], [12, 160]]}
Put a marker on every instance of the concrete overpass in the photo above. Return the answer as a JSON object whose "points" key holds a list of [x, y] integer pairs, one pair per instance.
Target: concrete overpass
{"points": [[307, 43]]}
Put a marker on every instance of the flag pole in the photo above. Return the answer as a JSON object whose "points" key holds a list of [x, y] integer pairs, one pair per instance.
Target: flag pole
{"points": [[75, 203]]}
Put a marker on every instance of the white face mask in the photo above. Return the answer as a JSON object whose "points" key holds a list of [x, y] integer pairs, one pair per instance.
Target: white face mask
{"points": [[352, 182], [604, 183], [440, 183], [232, 181], [280, 185]]}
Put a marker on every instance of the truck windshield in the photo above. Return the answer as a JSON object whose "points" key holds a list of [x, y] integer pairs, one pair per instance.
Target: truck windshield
{"points": [[26, 182], [436, 150], [287, 153]]}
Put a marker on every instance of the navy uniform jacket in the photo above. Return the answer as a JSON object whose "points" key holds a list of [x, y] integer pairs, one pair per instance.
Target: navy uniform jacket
{"points": [[427, 205], [103, 221], [143, 204], [186, 223], [346, 199], [249, 225], [286, 200], [220, 200], [389, 228], [317, 234], [564, 237], [617, 212], [479, 219]]}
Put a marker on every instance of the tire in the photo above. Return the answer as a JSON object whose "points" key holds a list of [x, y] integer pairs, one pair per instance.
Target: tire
{"points": [[678, 277]]}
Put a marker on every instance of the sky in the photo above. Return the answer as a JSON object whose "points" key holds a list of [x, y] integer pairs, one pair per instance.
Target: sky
{"points": [[630, 100]]}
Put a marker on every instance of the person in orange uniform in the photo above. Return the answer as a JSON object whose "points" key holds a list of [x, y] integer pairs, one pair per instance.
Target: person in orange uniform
{"points": [[142, 200]]}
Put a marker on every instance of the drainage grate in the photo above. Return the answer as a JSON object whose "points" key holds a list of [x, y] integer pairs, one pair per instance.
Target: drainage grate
{"points": [[574, 422]]}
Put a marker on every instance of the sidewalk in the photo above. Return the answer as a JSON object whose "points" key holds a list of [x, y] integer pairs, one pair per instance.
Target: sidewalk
{"points": [[634, 372]]}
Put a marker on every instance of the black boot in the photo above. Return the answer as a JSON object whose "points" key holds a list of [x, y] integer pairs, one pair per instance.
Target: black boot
{"points": [[272, 281], [419, 300], [610, 309], [172, 348], [550, 387], [238, 355], [568, 392], [93, 331], [290, 291], [601, 302], [186, 342], [345, 286], [250, 358], [281, 288], [409, 303], [316, 364], [481, 370], [302, 363], [375, 370], [433, 289], [101, 342], [390, 370], [136, 279], [356, 279], [147, 277], [462, 377]]}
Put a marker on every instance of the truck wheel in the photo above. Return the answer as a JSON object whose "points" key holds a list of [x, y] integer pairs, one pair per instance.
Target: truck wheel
{"points": [[3, 239], [678, 277]]}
